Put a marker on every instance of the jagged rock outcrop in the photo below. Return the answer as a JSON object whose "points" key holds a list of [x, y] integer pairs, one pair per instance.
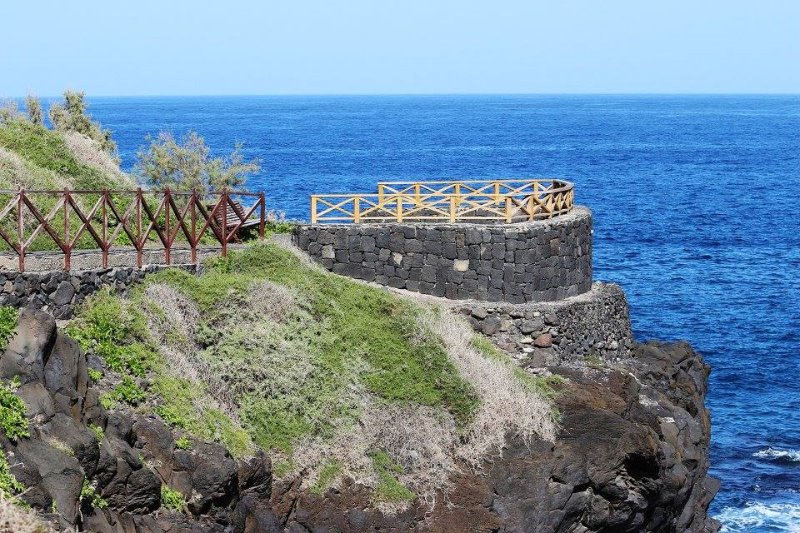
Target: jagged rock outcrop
{"points": [[631, 455], [126, 463]]}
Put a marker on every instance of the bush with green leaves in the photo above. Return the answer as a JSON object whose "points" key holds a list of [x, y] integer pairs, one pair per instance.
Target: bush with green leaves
{"points": [[90, 497], [72, 116], [9, 317], [172, 499], [186, 163], [13, 422], [9, 486]]}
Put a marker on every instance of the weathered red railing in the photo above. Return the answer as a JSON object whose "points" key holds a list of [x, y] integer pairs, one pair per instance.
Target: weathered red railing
{"points": [[143, 219]]}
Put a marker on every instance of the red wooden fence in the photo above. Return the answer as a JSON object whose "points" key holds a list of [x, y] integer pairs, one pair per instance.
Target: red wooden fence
{"points": [[142, 219]]}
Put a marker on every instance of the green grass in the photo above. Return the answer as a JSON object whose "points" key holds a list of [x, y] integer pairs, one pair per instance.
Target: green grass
{"points": [[356, 334], [546, 386], [347, 339], [172, 499], [99, 434], [47, 150], [327, 475], [9, 317], [389, 489], [183, 443], [9, 486], [89, 496], [185, 405], [13, 422]]}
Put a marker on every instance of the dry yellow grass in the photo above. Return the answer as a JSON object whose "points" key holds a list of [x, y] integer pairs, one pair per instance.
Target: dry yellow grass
{"points": [[14, 519]]}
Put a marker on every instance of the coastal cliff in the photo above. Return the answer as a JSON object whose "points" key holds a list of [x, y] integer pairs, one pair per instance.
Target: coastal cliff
{"points": [[541, 419]]}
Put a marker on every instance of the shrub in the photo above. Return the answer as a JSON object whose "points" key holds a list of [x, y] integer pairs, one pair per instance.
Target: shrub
{"points": [[34, 109], [172, 499], [12, 411], [9, 486], [95, 375], [127, 391], [90, 497], [186, 164], [183, 443], [72, 116], [99, 434], [9, 317]]}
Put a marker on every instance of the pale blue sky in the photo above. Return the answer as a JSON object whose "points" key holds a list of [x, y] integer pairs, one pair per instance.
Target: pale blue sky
{"points": [[168, 47]]}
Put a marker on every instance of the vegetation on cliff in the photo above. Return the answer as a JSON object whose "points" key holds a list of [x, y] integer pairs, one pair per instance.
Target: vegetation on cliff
{"points": [[337, 378]]}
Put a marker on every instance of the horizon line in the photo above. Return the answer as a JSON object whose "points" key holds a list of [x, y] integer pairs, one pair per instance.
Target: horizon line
{"points": [[421, 94]]}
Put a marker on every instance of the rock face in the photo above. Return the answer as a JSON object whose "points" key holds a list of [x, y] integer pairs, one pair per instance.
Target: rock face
{"points": [[128, 464], [631, 455], [537, 261]]}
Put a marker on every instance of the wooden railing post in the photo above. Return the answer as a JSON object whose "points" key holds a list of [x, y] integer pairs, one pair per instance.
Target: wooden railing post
{"points": [[193, 200], [21, 230], [139, 238], [313, 208], [104, 229], [417, 195], [262, 224], [68, 247], [224, 200], [398, 201], [380, 195], [168, 243], [356, 209], [508, 210]]}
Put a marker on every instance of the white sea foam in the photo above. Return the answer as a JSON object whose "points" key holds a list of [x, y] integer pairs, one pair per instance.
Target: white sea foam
{"points": [[760, 517], [774, 454]]}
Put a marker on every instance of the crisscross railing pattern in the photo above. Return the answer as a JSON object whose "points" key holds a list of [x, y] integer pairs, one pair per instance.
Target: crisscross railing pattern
{"points": [[142, 219], [505, 201]]}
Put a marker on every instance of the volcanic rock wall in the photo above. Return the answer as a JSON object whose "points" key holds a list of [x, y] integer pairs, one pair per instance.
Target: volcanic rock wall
{"points": [[537, 261]]}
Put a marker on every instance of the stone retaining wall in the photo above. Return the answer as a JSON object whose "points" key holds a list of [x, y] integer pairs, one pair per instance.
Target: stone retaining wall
{"points": [[592, 328], [536, 261], [58, 292]]}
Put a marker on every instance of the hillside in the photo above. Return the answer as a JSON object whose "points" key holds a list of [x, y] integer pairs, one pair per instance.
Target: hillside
{"points": [[35, 157]]}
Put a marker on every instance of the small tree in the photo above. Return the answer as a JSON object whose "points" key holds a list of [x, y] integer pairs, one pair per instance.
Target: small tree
{"points": [[71, 116], [34, 108], [186, 164]]}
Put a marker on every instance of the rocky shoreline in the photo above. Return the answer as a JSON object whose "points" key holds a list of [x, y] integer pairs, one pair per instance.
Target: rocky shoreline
{"points": [[631, 455]]}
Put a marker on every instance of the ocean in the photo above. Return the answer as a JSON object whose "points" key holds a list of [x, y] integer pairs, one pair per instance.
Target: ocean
{"points": [[695, 202]]}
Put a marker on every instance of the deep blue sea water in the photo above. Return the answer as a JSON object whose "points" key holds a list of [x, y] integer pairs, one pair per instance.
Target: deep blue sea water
{"points": [[695, 200]]}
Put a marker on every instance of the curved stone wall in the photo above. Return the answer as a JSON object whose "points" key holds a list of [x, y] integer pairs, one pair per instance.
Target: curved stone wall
{"points": [[535, 261]]}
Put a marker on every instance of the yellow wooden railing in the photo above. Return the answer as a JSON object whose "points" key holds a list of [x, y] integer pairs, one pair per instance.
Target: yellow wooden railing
{"points": [[448, 201]]}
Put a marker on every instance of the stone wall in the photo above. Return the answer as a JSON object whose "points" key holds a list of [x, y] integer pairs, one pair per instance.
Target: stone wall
{"points": [[58, 292], [590, 328], [536, 261]]}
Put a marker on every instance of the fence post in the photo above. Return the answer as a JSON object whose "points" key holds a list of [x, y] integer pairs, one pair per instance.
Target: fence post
{"points": [[139, 239], [356, 209], [452, 208], [20, 230], [104, 250], [263, 222], [417, 195], [167, 254], [313, 208], [508, 210], [67, 243], [193, 200], [398, 202], [224, 200]]}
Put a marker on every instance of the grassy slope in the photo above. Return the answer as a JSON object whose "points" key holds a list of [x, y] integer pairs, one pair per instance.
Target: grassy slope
{"points": [[294, 376], [47, 160]]}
